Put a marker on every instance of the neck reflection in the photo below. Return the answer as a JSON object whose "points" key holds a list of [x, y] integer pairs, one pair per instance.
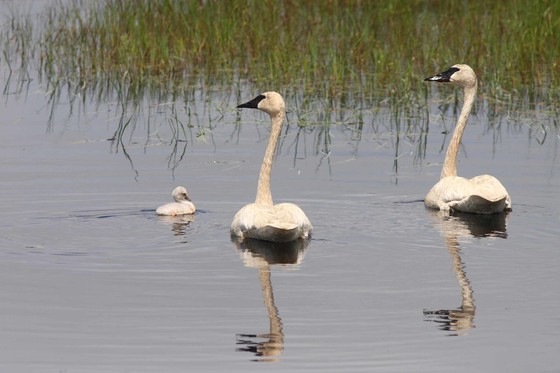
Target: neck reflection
{"points": [[460, 320], [268, 347]]}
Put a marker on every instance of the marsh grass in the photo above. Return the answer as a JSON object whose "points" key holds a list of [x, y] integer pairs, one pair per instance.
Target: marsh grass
{"points": [[332, 49], [333, 55]]}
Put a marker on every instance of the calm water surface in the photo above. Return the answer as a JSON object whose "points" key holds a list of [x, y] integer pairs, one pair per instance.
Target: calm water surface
{"points": [[93, 281]]}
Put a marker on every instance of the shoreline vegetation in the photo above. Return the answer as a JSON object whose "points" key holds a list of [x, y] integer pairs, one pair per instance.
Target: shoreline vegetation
{"points": [[332, 50], [341, 64]]}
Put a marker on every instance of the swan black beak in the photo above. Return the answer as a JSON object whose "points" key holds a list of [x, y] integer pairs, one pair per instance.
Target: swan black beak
{"points": [[253, 104], [443, 77]]}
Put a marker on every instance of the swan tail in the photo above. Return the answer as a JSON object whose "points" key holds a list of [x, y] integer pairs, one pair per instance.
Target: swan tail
{"points": [[277, 233], [480, 205]]}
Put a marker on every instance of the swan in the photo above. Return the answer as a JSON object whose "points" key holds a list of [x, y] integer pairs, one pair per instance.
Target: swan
{"points": [[181, 206], [263, 220], [482, 194]]}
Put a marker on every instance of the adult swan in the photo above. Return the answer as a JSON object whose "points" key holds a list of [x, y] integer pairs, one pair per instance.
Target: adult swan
{"points": [[263, 220], [482, 194]]}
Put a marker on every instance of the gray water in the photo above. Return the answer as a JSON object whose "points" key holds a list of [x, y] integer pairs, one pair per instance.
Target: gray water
{"points": [[93, 281]]}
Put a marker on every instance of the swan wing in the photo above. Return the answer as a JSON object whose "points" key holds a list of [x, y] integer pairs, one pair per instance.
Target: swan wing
{"points": [[490, 188], [482, 194], [284, 222]]}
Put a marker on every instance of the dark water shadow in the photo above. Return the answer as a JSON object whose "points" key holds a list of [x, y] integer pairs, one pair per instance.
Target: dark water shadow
{"points": [[268, 347], [178, 223], [458, 321], [105, 214]]}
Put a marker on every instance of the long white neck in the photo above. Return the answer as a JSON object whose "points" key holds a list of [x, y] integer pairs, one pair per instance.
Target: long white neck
{"points": [[264, 195], [450, 163]]}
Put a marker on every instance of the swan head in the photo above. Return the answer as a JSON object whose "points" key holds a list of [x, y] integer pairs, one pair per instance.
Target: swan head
{"points": [[459, 74], [180, 194], [271, 103]]}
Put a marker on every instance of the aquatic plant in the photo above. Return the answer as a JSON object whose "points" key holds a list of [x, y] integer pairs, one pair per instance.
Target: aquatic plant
{"points": [[348, 59], [332, 50]]}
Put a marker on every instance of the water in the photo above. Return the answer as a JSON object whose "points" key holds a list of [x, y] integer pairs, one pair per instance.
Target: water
{"points": [[94, 281]]}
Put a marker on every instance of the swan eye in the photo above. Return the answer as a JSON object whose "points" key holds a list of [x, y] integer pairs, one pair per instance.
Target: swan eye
{"points": [[449, 72]]}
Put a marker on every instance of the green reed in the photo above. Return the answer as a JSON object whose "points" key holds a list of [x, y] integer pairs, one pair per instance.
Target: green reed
{"points": [[335, 50]]}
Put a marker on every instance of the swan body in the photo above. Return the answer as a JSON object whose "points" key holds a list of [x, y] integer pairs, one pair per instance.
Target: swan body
{"points": [[263, 220], [482, 194], [284, 222], [181, 206]]}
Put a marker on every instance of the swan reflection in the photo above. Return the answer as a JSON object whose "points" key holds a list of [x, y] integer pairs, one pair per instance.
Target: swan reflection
{"points": [[267, 347], [454, 226], [178, 223]]}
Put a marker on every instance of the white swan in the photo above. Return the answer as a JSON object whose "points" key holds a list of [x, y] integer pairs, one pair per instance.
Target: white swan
{"points": [[284, 222], [181, 206], [482, 194]]}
